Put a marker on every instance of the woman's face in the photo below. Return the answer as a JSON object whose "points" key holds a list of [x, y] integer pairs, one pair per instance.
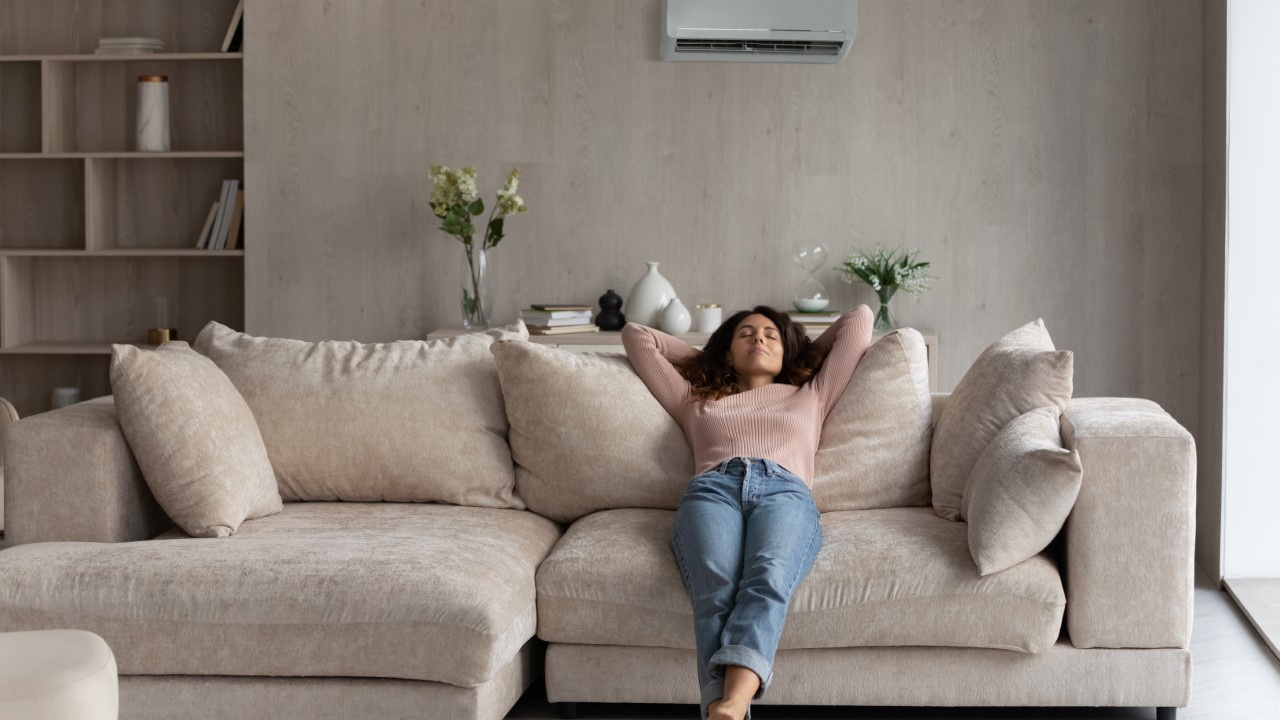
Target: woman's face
{"points": [[757, 347]]}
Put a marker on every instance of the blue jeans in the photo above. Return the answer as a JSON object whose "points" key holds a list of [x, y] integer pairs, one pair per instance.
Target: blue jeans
{"points": [[746, 534]]}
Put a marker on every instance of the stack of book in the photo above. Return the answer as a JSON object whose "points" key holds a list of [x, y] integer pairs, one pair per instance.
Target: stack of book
{"points": [[818, 321], [558, 319], [128, 46], [221, 229]]}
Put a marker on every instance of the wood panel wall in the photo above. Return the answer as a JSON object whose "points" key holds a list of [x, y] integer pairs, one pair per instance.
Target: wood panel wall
{"points": [[1046, 156]]}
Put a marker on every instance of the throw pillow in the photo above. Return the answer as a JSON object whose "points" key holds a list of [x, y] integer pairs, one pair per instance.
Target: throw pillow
{"points": [[194, 437], [874, 450], [1017, 373], [1021, 491], [408, 421], [587, 434]]}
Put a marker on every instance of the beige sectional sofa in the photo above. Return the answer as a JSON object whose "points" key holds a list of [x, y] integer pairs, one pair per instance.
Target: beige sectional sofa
{"points": [[355, 608]]}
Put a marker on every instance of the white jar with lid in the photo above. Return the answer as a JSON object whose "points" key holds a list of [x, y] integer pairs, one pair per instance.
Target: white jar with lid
{"points": [[153, 113], [706, 317]]}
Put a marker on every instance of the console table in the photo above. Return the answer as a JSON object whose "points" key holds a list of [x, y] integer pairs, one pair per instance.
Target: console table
{"points": [[610, 341]]}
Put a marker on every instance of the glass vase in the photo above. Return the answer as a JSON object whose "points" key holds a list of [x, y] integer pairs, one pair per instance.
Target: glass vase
{"points": [[885, 321], [477, 288]]}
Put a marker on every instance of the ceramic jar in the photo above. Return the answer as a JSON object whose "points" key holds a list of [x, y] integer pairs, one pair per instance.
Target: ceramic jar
{"points": [[153, 113], [648, 297], [675, 318], [706, 318]]}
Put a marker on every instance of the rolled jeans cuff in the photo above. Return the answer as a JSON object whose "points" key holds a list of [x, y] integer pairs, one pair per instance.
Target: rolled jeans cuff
{"points": [[745, 657]]}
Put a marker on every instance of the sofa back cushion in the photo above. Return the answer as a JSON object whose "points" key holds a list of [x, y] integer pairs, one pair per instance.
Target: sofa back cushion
{"points": [[874, 450], [587, 435], [1019, 372], [194, 437], [410, 420]]}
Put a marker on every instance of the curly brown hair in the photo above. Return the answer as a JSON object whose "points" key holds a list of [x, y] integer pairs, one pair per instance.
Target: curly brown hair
{"points": [[711, 376]]}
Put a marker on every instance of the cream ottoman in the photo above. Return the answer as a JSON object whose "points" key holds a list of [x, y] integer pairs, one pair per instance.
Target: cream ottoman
{"points": [[57, 675]]}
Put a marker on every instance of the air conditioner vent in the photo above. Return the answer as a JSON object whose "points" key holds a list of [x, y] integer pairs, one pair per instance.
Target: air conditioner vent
{"points": [[790, 47]]}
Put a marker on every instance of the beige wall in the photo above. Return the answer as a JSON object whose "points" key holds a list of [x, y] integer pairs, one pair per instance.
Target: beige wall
{"points": [[1046, 156]]}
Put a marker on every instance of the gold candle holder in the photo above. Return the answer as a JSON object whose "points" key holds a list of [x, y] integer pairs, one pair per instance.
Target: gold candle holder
{"points": [[160, 336]]}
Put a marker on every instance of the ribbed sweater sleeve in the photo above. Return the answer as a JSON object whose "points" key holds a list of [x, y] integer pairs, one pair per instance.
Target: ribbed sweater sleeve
{"points": [[843, 344], [653, 353]]}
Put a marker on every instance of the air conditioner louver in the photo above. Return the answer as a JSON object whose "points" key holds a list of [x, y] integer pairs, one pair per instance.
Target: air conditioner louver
{"points": [[792, 47]]}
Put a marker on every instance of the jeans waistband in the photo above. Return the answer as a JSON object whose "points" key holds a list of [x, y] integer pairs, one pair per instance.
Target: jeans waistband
{"points": [[770, 467]]}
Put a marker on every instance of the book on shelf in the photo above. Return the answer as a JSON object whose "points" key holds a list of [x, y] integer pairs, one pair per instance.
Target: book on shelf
{"points": [[234, 40], [562, 330], [237, 215], [814, 317], [129, 46], [202, 242], [562, 308], [222, 224], [556, 322], [538, 316]]}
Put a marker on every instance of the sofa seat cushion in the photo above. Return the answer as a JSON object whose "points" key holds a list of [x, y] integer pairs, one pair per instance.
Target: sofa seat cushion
{"points": [[418, 592], [894, 576]]}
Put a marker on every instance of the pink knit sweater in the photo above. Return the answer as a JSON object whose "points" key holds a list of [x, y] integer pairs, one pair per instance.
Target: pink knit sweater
{"points": [[777, 421]]}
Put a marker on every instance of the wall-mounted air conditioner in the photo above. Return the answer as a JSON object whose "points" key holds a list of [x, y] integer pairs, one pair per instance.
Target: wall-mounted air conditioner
{"points": [[808, 31]]}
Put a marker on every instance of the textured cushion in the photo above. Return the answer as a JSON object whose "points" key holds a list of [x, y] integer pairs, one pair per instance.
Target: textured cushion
{"points": [[874, 450], [391, 590], [1020, 492], [897, 576], [194, 437], [408, 420], [616, 447], [1019, 372], [587, 434], [57, 675]]}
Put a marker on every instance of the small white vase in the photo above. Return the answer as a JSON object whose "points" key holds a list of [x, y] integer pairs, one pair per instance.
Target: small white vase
{"points": [[675, 318], [648, 297]]}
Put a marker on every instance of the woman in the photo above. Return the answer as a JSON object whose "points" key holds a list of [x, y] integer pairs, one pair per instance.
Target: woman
{"points": [[752, 406]]}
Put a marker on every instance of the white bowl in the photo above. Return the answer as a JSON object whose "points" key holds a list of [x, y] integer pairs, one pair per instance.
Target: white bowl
{"points": [[811, 304]]}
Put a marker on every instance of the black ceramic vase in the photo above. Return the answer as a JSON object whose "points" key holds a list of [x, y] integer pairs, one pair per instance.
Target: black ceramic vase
{"points": [[611, 317]]}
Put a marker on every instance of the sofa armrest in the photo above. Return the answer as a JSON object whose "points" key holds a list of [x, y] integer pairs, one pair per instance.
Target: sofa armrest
{"points": [[70, 475], [1130, 539]]}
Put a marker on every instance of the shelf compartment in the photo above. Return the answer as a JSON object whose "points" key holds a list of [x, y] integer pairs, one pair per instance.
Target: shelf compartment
{"points": [[92, 107], [19, 107], [30, 379], [70, 347], [42, 204], [90, 301], [123, 252], [153, 203], [43, 27], [131, 155], [95, 58]]}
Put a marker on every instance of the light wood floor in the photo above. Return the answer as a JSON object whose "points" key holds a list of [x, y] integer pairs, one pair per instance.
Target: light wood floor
{"points": [[1234, 677]]}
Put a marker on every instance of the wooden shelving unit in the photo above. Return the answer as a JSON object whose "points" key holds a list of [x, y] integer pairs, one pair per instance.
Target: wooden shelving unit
{"points": [[91, 231]]}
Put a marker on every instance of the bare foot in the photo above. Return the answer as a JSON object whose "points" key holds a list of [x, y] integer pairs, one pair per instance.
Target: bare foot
{"points": [[723, 710]]}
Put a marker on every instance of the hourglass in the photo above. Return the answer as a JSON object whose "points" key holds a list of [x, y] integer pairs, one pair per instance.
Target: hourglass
{"points": [[811, 296]]}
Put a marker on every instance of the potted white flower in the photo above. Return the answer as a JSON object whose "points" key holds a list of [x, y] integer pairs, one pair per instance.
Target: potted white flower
{"points": [[887, 272]]}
